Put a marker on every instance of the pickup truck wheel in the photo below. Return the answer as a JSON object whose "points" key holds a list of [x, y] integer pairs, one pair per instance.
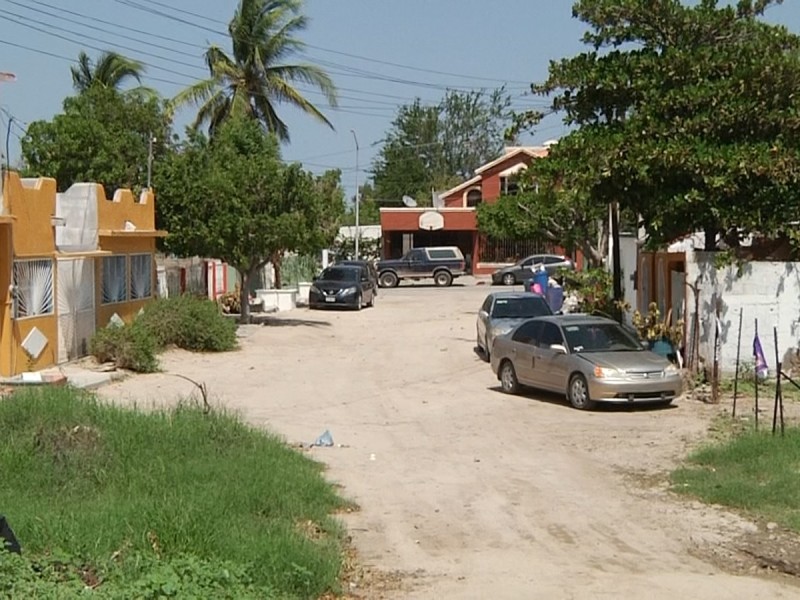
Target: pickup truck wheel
{"points": [[388, 280], [442, 278]]}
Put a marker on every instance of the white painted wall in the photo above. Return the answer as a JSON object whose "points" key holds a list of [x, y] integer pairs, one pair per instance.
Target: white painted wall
{"points": [[767, 291]]}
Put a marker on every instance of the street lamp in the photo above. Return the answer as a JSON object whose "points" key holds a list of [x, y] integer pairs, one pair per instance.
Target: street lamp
{"points": [[358, 226], [5, 78]]}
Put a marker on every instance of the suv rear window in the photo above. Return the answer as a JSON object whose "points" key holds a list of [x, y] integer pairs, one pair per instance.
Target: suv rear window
{"points": [[442, 253]]}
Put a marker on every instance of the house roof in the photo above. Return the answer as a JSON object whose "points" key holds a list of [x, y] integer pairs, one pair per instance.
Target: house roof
{"points": [[532, 151], [461, 186], [510, 153]]}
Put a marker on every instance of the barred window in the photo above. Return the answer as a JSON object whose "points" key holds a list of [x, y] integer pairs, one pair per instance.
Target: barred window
{"points": [[115, 279], [33, 283], [141, 276]]}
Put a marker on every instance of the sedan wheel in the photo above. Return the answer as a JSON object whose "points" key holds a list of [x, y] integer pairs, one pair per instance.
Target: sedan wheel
{"points": [[486, 352], [509, 279], [578, 393], [508, 378]]}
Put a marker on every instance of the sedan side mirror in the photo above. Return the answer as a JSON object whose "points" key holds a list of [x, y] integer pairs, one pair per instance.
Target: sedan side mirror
{"points": [[558, 348]]}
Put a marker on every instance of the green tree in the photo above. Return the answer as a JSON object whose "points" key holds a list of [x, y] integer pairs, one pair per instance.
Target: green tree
{"points": [[685, 115], [232, 197], [101, 136], [254, 79], [437, 146], [368, 208], [110, 70]]}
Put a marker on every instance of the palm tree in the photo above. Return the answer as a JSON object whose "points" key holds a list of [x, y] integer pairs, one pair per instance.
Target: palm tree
{"points": [[110, 70], [255, 78]]}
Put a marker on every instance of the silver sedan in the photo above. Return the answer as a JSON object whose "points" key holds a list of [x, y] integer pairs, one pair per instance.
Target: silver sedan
{"points": [[502, 311], [590, 359]]}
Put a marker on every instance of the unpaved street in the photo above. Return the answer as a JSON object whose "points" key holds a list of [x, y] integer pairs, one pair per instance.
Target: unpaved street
{"points": [[467, 492]]}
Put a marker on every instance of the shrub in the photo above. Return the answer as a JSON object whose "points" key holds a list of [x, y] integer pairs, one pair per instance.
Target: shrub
{"points": [[188, 322], [127, 346]]}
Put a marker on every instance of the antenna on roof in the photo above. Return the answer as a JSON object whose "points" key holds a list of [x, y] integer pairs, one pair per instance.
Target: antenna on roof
{"points": [[409, 201]]}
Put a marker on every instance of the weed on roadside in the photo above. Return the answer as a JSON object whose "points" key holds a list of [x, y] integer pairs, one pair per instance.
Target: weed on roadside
{"points": [[156, 503], [750, 470]]}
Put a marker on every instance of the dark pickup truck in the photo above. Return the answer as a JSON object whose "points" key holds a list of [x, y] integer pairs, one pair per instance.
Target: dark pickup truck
{"points": [[441, 263]]}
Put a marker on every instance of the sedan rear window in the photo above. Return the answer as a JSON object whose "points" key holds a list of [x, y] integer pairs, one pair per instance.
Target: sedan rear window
{"points": [[520, 308]]}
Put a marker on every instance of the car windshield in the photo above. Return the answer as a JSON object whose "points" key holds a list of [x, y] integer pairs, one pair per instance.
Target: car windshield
{"points": [[600, 337], [339, 274], [520, 308]]}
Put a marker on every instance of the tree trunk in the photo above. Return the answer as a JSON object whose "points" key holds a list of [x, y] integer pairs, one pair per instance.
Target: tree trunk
{"points": [[244, 315], [276, 259]]}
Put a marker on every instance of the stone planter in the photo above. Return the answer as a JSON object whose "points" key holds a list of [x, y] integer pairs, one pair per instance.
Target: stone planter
{"points": [[303, 289], [278, 299]]}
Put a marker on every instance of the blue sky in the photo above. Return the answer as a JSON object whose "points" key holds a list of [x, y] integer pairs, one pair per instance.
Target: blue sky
{"points": [[380, 53]]}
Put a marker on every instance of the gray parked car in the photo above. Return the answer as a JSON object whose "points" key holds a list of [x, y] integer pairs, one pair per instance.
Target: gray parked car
{"points": [[523, 270], [502, 311], [591, 359]]}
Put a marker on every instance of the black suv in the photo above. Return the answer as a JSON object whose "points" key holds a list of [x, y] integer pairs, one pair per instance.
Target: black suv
{"points": [[440, 263]]}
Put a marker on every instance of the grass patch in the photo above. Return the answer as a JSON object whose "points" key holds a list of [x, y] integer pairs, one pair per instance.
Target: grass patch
{"points": [[753, 471], [159, 498]]}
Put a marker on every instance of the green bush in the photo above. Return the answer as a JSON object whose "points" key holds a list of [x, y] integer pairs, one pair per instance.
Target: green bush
{"points": [[188, 322], [159, 503], [127, 346]]}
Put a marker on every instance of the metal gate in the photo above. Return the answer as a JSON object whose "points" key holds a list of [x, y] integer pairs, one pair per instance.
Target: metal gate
{"points": [[76, 307]]}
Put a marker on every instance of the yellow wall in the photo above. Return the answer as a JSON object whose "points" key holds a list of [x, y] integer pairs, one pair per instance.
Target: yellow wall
{"points": [[33, 208], [26, 231], [112, 213], [5, 298], [32, 237]]}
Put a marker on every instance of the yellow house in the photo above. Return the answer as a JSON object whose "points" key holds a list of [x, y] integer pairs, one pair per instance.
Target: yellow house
{"points": [[69, 263]]}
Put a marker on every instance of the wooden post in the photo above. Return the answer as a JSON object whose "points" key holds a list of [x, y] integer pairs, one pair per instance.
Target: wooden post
{"points": [[738, 355]]}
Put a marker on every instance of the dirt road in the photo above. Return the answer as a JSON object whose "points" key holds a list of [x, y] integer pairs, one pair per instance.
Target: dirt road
{"points": [[468, 492]]}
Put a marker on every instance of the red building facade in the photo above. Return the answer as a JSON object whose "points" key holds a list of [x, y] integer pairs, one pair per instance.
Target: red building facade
{"points": [[406, 228]]}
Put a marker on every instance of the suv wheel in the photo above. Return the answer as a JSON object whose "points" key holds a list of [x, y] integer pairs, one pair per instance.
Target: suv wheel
{"points": [[442, 278], [388, 280]]}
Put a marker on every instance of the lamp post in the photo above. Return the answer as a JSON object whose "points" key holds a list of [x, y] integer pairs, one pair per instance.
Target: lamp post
{"points": [[5, 78], [358, 227]]}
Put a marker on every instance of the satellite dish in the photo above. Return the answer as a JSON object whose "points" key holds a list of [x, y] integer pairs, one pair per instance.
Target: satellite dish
{"points": [[409, 201]]}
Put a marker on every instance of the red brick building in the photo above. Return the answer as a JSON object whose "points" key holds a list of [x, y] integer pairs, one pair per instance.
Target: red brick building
{"points": [[454, 223]]}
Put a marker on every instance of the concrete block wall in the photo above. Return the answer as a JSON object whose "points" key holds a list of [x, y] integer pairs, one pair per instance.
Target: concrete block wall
{"points": [[766, 291]]}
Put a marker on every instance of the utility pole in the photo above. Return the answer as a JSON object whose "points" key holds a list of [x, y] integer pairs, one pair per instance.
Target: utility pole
{"points": [[5, 78], [150, 161], [358, 225]]}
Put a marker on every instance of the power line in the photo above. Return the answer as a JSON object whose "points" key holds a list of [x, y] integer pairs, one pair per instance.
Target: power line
{"points": [[80, 43], [85, 26], [320, 48], [113, 24]]}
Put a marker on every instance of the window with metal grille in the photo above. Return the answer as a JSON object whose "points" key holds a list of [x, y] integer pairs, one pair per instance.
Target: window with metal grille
{"points": [[33, 284], [141, 276], [115, 279]]}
